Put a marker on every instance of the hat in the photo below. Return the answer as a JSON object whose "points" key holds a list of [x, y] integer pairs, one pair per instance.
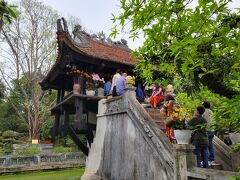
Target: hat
{"points": [[169, 88], [169, 97]]}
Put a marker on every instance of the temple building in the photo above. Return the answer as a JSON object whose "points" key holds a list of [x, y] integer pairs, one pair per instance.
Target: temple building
{"points": [[80, 57]]}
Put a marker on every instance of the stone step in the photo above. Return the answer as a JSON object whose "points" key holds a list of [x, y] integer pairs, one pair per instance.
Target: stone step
{"points": [[216, 166], [156, 116]]}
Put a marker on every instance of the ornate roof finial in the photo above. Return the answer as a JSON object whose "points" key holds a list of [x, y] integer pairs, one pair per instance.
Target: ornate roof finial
{"points": [[124, 42], [65, 26], [59, 26], [101, 36]]}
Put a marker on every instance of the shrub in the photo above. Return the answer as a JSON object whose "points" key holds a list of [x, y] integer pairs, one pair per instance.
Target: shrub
{"points": [[29, 150], [236, 147], [8, 140], [1, 151], [8, 148], [1, 139], [9, 134], [61, 149], [227, 115]]}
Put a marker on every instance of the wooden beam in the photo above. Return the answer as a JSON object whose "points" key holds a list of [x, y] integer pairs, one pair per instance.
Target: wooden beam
{"points": [[77, 141]]}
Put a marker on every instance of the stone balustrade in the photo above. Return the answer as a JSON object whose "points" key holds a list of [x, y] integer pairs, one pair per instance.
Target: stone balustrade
{"points": [[9, 164]]}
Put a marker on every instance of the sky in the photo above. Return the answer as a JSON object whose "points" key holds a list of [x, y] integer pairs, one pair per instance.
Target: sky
{"points": [[95, 15]]}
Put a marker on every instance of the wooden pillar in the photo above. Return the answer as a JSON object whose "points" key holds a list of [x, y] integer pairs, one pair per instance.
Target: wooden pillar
{"points": [[55, 129], [56, 126], [62, 91], [79, 124], [58, 96], [66, 121]]}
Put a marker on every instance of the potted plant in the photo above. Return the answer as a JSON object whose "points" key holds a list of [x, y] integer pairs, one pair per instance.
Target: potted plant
{"points": [[90, 87], [77, 78], [91, 84], [181, 132]]}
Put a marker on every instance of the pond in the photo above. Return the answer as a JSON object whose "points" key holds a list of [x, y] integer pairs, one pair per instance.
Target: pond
{"points": [[69, 174]]}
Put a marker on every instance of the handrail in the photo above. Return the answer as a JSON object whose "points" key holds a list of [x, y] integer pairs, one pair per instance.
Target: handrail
{"points": [[223, 155]]}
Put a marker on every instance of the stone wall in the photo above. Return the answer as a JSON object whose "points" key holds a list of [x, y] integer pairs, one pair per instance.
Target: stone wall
{"points": [[9, 164]]}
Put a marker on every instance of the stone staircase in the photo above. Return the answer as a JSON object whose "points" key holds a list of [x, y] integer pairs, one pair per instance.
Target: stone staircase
{"points": [[222, 151], [129, 144], [156, 116]]}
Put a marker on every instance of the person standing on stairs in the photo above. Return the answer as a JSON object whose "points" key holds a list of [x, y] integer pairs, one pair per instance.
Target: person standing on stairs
{"points": [[207, 115], [167, 111], [199, 136]]}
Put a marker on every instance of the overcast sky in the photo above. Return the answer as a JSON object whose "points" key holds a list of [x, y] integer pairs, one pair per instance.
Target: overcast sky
{"points": [[95, 15]]}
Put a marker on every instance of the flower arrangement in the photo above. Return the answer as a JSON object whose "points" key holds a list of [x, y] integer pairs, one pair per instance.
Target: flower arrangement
{"points": [[76, 72], [96, 77], [90, 78], [177, 113], [180, 114], [130, 81], [92, 82]]}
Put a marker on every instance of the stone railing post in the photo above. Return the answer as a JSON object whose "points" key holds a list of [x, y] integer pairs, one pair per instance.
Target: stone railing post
{"points": [[185, 159], [128, 92], [235, 158], [102, 107]]}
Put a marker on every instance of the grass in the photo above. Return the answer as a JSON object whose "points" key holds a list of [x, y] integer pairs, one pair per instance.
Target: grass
{"points": [[69, 174]]}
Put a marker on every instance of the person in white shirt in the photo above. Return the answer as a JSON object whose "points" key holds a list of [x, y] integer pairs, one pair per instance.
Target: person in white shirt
{"points": [[207, 116], [116, 76]]}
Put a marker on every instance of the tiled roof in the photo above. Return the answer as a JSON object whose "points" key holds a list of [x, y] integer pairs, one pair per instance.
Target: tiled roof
{"points": [[99, 50]]}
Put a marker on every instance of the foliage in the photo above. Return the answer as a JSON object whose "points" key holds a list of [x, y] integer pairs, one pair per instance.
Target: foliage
{"points": [[2, 90], [1, 151], [9, 134], [8, 148], [61, 149], [227, 115], [199, 45], [29, 44], [9, 119], [7, 13], [47, 126], [28, 150], [191, 102], [236, 147]]}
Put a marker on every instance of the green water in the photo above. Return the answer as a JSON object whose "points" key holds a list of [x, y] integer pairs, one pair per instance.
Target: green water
{"points": [[70, 174]]}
